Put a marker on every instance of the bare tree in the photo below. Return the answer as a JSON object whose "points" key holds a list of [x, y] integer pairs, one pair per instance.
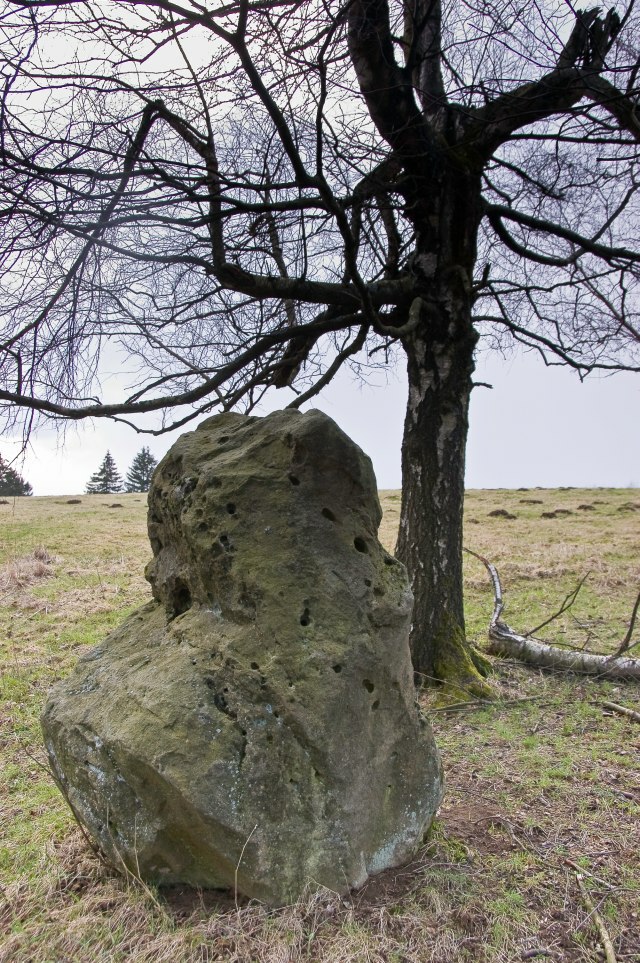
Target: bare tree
{"points": [[242, 195]]}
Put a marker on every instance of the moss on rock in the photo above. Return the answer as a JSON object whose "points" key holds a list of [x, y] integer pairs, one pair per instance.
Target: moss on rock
{"points": [[255, 725]]}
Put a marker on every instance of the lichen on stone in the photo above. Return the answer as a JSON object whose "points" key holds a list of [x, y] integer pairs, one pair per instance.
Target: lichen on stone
{"points": [[254, 726]]}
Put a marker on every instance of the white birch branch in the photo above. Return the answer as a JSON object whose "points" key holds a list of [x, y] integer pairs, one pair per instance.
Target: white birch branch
{"points": [[504, 641]]}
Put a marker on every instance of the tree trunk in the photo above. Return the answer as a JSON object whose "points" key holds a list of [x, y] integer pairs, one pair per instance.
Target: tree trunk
{"points": [[430, 536]]}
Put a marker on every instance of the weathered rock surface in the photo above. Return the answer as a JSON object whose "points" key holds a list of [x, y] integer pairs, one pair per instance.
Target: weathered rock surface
{"points": [[255, 726]]}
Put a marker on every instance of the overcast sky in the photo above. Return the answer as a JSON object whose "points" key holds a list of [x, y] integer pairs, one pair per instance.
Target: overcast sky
{"points": [[537, 426]]}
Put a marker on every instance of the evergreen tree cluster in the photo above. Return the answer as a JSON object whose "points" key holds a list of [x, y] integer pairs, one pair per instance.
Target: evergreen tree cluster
{"points": [[11, 483], [108, 481]]}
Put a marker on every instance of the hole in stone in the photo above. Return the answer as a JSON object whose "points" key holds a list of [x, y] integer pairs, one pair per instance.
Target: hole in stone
{"points": [[180, 598], [368, 684], [378, 591], [337, 668], [374, 705], [368, 582], [243, 732], [220, 703], [294, 479], [222, 440], [305, 618], [231, 508], [361, 545], [276, 715], [254, 665], [388, 560], [225, 541], [328, 514], [263, 682]]}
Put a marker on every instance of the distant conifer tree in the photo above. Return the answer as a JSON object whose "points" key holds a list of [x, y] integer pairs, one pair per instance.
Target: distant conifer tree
{"points": [[139, 475], [106, 480], [11, 483]]}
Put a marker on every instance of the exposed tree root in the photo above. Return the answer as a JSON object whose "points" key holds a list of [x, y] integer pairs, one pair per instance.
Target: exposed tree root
{"points": [[504, 641]]}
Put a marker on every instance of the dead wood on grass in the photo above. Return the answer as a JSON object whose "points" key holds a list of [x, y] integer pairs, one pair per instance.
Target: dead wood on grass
{"points": [[503, 640], [603, 932]]}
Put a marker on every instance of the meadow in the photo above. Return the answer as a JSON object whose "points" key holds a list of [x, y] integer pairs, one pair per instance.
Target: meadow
{"points": [[534, 854]]}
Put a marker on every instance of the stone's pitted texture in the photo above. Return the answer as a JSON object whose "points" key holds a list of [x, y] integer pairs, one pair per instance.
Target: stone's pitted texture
{"points": [[255, 726]]}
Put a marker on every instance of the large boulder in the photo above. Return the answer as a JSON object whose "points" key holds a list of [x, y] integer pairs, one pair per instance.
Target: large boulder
{"points": [[255, 726]]}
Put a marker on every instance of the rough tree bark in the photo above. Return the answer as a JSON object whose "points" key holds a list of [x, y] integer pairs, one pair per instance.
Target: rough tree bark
{"points": [[440, 346], [440, 370]]}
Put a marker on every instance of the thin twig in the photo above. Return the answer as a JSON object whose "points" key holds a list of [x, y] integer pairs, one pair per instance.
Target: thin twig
{"points": [[626, 642], [566, 605], [23, 746], [235, 879], [607, 945], [585, 872]]}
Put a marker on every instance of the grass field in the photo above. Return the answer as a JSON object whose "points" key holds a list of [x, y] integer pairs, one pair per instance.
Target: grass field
{"points": [[542, 786]]}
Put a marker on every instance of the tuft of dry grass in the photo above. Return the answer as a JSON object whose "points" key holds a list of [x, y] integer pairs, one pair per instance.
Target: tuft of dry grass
{"points": [[20, 572]]}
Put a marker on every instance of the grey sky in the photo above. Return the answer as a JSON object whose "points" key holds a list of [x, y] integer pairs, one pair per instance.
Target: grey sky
{"points": [[537, 426]]}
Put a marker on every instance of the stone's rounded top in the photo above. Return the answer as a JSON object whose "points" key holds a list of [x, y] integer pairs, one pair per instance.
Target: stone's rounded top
{"points": [[240, 491], [286, 440]]}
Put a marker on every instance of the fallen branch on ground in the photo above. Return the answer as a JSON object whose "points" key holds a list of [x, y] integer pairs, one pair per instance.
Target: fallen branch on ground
{"points": [[504, 641], [621, 710], [607, 945]]}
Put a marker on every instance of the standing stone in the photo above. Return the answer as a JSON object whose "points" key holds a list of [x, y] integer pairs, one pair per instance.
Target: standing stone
{"points": [[255, 726]]}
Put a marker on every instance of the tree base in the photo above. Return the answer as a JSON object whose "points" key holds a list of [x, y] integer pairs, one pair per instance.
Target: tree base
{"points": [[459, 669]]}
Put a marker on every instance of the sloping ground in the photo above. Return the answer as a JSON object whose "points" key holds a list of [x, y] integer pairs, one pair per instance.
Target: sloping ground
{"points": [[538, 790]]}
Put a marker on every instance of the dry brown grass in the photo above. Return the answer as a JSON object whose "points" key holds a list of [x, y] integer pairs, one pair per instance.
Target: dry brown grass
{"points": [[20, 572]]}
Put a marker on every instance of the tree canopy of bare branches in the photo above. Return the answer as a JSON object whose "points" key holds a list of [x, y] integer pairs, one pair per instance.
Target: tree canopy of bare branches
{"points": [[218, 198]]}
